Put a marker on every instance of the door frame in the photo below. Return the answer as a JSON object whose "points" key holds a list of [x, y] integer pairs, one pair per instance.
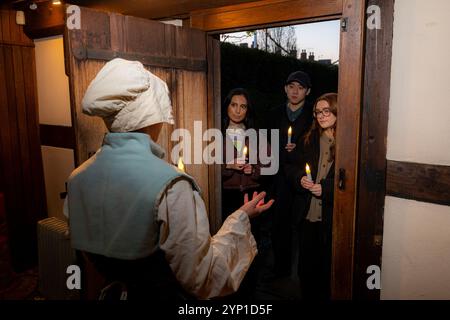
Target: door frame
{"points": [[358, 207], [363, 236]]}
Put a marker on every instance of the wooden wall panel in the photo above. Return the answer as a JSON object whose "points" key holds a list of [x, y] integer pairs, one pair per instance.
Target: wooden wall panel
{"points": [[258, 13], [176, 55], [21, 169], [5, 142], [6, 34], [193, 104], [372, 166], [214, 120], [89, 131], [10, 32], [46, 21], [417, 181], [150, 39], [57, 136]]}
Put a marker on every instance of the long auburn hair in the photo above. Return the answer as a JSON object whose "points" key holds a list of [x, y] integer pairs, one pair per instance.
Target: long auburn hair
{"points": [[248, 121], [332, 100]]}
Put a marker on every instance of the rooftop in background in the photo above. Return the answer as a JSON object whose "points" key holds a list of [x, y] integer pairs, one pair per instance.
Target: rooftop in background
{"points": [[319, 40]]}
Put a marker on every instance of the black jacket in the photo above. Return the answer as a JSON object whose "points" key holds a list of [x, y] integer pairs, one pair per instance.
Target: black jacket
{"points": [[295, 170], [279, 120]]}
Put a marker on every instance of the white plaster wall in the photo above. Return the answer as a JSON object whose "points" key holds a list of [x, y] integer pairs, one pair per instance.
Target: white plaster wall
{"points": [[58, 164], [416, 246], [54, 109], [52, 82], [416, 251], [419, 112]]}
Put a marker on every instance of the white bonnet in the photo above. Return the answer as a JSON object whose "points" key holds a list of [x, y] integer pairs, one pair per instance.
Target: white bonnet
{"points": [[128, 97]]}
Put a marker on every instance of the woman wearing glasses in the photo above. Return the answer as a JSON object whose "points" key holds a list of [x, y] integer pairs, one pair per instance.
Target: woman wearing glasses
{"points": [[313, 203]]}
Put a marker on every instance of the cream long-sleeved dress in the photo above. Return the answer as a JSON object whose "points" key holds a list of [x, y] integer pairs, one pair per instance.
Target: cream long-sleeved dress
{"points": [[206, 266]]}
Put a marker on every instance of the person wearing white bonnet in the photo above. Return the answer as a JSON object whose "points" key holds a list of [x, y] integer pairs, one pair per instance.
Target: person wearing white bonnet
{"points": [[127, 97], [139, 219]]}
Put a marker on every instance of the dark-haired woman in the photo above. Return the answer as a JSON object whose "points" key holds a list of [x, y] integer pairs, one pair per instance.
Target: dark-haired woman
{"points": [[313, 201], [238, 177]]}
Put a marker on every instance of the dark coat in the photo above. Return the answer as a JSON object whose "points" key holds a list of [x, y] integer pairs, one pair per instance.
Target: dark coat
{"points": [[279, 120], [280, 188], [282, 223], [238, 180], [295, 170]]}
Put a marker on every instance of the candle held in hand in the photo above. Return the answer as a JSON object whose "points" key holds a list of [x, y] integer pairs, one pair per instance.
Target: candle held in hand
{"points": [[289, 135], [308, 172], [181, 164], [245, 154]]}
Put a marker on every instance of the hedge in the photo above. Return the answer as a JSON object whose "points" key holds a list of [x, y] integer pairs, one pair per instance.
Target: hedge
{"points": [[263, 75]]}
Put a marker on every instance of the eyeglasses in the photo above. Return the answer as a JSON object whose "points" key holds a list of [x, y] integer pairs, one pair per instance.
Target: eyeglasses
{"points": [[325, 112]]}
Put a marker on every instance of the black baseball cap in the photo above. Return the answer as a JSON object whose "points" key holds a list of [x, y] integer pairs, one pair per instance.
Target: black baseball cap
{"points": [[300, 77]]}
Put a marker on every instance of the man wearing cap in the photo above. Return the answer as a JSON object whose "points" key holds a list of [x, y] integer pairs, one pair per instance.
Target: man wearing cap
{"points": [[140, 220], [295, 113]]}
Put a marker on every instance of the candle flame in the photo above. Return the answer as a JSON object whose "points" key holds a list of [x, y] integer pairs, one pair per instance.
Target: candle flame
{"points": [[308, 170], [290, 131], [181, 164], [245, 151]]}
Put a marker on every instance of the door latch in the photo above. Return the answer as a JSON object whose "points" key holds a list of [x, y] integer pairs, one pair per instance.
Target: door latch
{"points": [[341, 181], [378, 240]]}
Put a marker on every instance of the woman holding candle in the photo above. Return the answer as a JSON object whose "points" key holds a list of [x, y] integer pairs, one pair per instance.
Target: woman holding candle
{"points": [[313, 203], [238, 177]]}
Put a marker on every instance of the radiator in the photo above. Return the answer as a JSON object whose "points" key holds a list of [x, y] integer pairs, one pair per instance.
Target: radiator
{"points": [[55, 255]]}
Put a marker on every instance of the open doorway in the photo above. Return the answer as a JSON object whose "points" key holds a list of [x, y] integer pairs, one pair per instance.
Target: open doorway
{"points": [[260, 61], [350, 90]]}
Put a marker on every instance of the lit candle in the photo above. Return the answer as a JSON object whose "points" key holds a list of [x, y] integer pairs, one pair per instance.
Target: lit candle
{"points": [[308, 172], [243, 157], [289, 135], [181, 164], [245, 152]]}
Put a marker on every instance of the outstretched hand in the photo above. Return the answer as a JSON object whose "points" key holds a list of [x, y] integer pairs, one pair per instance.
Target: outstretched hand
{"points": [[256, 206]]}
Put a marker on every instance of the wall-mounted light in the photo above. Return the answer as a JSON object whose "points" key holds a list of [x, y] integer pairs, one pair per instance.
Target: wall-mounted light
{"points": [[20, 18], [33, 6], [56, 2]]}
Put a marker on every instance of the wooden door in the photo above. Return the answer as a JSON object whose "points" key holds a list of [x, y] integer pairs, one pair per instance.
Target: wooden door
{"points": [[177, 55]]}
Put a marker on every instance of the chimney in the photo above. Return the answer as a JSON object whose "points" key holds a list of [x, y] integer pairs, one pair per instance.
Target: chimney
{"points": [[303, 55], [293, 53], [311, 56]]}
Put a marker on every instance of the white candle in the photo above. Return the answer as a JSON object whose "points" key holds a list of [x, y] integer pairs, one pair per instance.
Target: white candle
{"points": [[243, 158], [289, 135], [308, 172], [181, 164]]}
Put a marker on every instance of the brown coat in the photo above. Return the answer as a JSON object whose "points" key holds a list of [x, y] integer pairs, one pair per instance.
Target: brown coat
{"points": [[238, 180]]}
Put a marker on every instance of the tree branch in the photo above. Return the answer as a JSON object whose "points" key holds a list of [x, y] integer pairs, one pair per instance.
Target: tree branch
{"points": [[276, 43]]}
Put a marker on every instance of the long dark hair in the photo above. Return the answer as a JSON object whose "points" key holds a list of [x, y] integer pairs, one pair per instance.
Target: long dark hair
{"points": [[249, 119], [332, 100]]}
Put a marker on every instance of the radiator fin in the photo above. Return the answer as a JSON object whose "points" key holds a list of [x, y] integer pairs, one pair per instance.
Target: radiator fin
{"points": [[55, 255]]}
